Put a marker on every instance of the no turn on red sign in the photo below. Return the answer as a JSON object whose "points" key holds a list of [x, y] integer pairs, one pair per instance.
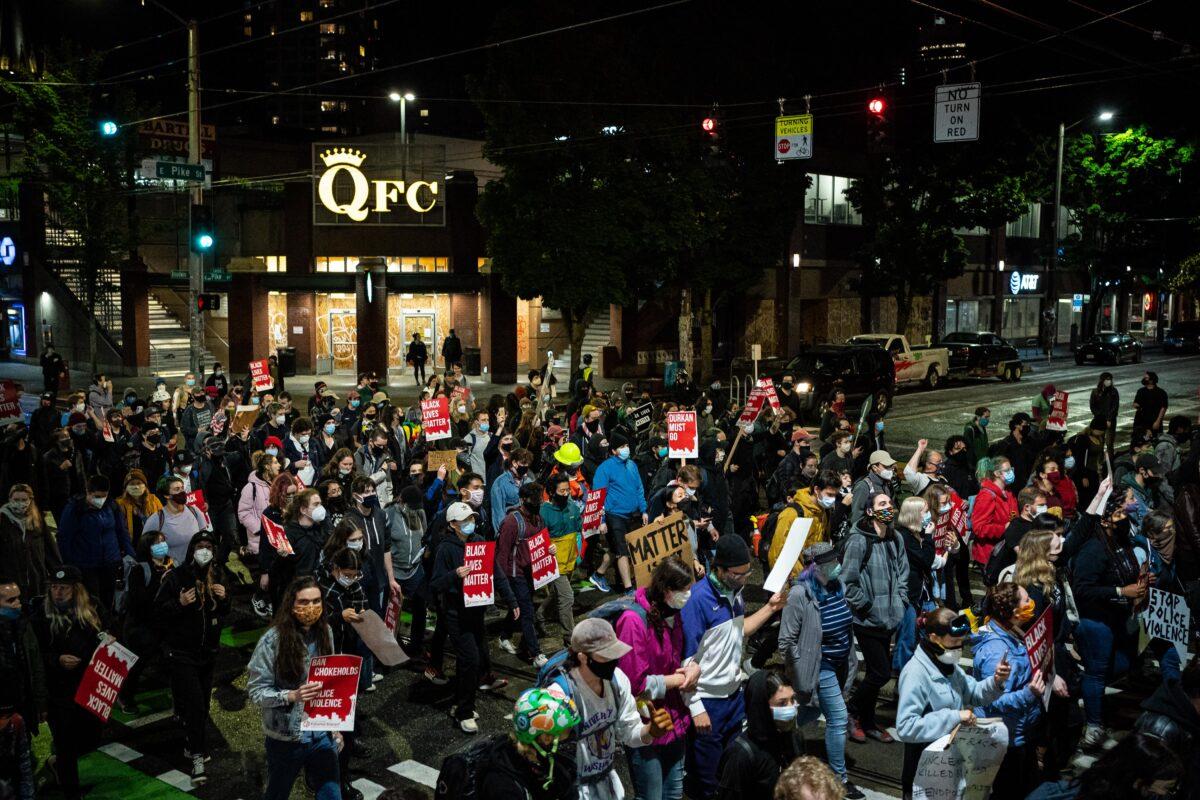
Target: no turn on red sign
{"points": [[793, 137]]}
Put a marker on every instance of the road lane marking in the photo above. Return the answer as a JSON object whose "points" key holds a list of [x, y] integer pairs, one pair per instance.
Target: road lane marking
{"points": [[370, 790], [120, 752], [177, 779], [417, 772]]}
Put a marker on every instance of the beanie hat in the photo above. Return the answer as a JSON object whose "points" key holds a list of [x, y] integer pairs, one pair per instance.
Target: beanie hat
{"points": [[731, 551], [616, 441]]}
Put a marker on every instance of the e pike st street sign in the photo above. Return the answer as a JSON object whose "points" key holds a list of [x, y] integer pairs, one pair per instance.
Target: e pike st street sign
{"points": [[179, 172]]}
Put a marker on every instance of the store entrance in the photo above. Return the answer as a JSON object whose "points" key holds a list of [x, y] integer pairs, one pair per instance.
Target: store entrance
{"points": [[424, 323], [343, 341]]}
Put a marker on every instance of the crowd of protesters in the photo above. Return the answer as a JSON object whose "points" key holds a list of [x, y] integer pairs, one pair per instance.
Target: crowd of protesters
{"points": [[148, 519]]}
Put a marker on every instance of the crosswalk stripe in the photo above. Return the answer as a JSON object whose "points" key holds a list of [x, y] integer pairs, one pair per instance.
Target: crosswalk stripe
{"points": [[149, 719], [120, 752], [871, 794], [370, 790], [177, 779], [417, 772]]}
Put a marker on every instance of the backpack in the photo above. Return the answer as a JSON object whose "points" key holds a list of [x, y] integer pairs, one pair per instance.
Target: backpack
{"points": [[555, 669], [870, 540], [768, 531], [121, 596], [458, 778], [997, 560], [775, 486]]}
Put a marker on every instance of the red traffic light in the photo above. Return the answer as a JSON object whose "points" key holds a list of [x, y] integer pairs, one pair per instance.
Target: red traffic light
{"points": [[876, 106], [208, 301], [709, 124]]}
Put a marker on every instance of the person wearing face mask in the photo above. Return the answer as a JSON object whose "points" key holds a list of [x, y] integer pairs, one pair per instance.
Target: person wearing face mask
{"points": [[216, 383], [278, 684], [751, 763], [153, 456], [307, 529], [92, 538], [301, 453], [327, 439], [28, 552], [1149, 489], [881, 472], [839, 457], [817, 646], [564, 521], [935, 693], [1149, 405], [61, 472], [1020, 447], [367, 515], [994, 506], [914, 526], [1060, 496], [43, 421], [959, 469], [1105, 404], [256, 497], [1031, 503], [625, 506], [143, 630], [195, 418], [532, 761], [406, 531], [274, 431], [375, 460], [822, 502], [192, 604], [976, 436], [512, 555], [464, 624], [505, 490], [177, 520]]}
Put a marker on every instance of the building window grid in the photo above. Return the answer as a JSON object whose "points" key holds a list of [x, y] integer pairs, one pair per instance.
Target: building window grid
{"points": [[394, 263], [825, 201]]}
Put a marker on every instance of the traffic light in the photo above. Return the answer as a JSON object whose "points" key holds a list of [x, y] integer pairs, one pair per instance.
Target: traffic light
{"points": [[709, 126], [208, 301], [878, 125], [712, 127], [109, 128], [877, 105], [203, 234]]}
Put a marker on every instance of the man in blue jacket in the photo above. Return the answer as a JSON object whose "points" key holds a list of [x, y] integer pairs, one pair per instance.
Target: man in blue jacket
{"points": [[624, 508], [506, 489], [92, 537]]}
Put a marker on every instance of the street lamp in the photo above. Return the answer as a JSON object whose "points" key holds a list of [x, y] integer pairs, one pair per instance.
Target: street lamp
{"points": [[403, 99]]}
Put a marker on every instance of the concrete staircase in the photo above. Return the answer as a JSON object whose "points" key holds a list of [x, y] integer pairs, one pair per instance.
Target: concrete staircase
{"points": [[595, 338], [170, 342]]}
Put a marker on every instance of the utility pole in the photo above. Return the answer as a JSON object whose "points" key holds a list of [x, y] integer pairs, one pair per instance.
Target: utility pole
{"points": [[195, 260]]}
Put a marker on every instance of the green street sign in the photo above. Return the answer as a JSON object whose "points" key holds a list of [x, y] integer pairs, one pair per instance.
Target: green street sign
{"points": [[179, 172], [216, 275], [179, 274]]}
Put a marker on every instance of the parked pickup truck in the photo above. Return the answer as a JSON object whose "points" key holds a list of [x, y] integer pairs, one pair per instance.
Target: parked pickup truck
{"points": [[982, 354], [927, 365]]}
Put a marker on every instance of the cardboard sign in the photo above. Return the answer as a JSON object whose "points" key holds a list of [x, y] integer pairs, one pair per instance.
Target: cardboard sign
{"points": [[435, 418], [379, 640], [796, 536], [333, 708], [656, 542], [436, 459], [767, 386], [682, 438], [641, 418], [393, 614], [260, 376], [243, 419], [543, 559], [277, 537], [1039, 643], [106, 674], [1057, 420], [593, 511], [479, 587], [10, 403], [962, 765], [196, 498], [1167, 617]]}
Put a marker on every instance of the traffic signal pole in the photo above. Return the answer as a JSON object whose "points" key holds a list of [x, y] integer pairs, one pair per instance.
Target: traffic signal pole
{"points": [[195, 260]]}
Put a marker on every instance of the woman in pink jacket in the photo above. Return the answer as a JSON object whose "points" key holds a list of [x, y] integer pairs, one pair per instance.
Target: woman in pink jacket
{"points": [[653, 667], [994, 508], [256, 496]]}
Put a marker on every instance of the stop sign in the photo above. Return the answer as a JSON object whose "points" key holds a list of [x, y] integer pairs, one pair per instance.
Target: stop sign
{"points": [[784, 145]]}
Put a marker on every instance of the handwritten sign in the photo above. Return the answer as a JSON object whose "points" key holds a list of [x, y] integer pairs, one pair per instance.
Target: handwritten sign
{"points": [[106, 674], [682, 438], [436, 459], [962, 765], [379, 640], [1039, 643], [656, 542], [593, 511], [260, 376], [796, 536], [243, 419], [277, 537], [1167, 617], [543, 559], [641, 418], [333, 708], [435, 418], [10, 404], [479, 587], [1057, 419]]}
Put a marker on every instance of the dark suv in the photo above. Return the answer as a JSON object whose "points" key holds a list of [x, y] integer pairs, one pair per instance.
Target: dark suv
{"points": [[1182, 337], [858, 371]]}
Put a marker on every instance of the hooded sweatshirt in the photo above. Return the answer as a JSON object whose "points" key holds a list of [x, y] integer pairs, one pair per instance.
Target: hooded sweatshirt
{"points": [[1170, 715], [654, 656], [193, 632], [876, 584], [752, 761]]}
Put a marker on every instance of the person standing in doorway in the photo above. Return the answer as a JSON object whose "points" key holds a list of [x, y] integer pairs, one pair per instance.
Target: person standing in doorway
{"points": [[417, 355], [452, 350]]}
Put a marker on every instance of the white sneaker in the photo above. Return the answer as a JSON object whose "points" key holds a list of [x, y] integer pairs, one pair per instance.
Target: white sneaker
{"points": [[1094, 737], [198, 776], [507, 646], [187, 754], [540, 660], [468, 726], [377, 677]]}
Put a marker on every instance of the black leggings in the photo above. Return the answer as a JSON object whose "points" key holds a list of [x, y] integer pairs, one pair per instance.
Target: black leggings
{"points": [[912, 758], [76, 733], [876, 649], [191, 689]]}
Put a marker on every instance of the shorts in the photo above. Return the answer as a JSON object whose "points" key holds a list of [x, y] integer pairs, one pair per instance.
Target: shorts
{"points": [[618, 526]]}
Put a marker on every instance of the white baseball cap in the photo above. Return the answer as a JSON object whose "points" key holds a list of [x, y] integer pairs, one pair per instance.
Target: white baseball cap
{"points": [[457, 512]]}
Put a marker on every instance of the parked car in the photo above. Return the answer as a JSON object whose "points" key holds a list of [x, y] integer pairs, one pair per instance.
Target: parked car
{"points": [[923, 364], [982, 354], [1109, 348], [1182, 337], [858, 371]]}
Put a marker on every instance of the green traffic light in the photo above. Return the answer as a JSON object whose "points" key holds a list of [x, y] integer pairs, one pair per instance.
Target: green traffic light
{"points": [[205, 241], [108, 128]]}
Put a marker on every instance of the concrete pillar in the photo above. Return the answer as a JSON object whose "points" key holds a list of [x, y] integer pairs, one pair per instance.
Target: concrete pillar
{"points": [[372, 319], [135, 317], [249, 335], [498, 332]]}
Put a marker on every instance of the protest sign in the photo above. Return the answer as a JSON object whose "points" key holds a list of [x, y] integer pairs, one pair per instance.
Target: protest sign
{"points": [[682, 439], [277, 537], [10, 404], [333, 708], [392, 619], [479, 587], [754, 404], [436, 459], [1057, 419], [593, 511], [379, 639], [767, 386], [962, 765], [1167, 617], [796, 536], [655, 542], [106, 674], [106, 432], [543, 558], [641, 418], [1039, 643], [461, 395], [435, 418], [260, 376], [196, 499], [243, 419]]}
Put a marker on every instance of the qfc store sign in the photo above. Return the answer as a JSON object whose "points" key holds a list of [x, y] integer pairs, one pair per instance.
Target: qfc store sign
{"points": [[380, 184], [1023, 282]]}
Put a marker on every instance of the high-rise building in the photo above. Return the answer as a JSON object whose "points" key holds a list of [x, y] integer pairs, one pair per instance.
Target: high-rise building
{"points": [[941, 43]]}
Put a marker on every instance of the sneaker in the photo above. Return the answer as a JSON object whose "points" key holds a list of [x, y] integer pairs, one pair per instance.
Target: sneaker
{"points": [[599, 582], [880, 735], [852, 792], [377, 677], [454, 714], [1093, 738], [435, 676], [187, 754], [198, 776], [468, 726], [507, 646], [371, 687], [540, 660], [854, 731], [490, 683]]}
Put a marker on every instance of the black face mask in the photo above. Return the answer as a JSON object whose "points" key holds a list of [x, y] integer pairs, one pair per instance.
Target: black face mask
{"points": [[560, 500], [522, 470], [602, 670], [377, 450]]}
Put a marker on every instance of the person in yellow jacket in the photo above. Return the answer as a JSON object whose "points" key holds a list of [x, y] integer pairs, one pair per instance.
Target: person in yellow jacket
{"points": [[823, 502]]}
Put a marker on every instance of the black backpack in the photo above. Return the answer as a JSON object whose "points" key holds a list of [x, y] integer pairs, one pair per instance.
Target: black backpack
{"points": [[458, 778], [768, 531], [997, 561], [866, 556]]}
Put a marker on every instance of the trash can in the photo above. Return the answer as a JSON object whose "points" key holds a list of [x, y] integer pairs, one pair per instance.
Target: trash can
{"points": [[472, 361], [287, 361]]}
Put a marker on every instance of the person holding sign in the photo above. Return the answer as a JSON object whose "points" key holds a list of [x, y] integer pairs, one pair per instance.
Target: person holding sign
{"points": [[934, 691], [513, 557], [278, 684], [68, 627]]}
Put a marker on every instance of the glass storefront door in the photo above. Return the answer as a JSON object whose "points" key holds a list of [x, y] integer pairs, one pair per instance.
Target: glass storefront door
{"points": [[424, 323], [343, 341]]}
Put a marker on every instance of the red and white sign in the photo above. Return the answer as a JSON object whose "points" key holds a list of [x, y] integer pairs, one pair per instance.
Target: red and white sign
{"points": [[543, 559], [1057, 420], [768, 388], [333, 708], [277, 536], [435, 418], [260, 375], [393, 613], [682, 438], [754, 404], [1039, 643], [106, 674], [196, 498], [593, 511], [479, 587], [10, 404]]}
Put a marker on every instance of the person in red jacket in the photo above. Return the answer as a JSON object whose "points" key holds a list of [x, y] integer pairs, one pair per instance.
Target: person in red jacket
{"points": [[994, 508], [1048, 476]]}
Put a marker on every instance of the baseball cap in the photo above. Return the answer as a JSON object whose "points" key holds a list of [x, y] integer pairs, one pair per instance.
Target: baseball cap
{"points": [[881, 457], [596, 637], [67, 573], [1148, 462], [457, 512], [800, 435]]}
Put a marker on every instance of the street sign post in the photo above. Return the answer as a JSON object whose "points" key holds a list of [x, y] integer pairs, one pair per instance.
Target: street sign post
{"points": [[956, 112], [793, 137], [175, 171]]}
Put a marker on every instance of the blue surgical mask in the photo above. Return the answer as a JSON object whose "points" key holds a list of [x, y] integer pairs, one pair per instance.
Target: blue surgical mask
{"points": [[1069, 462], [10, 614], [623, 453], [926, 518], [662, 452], [254, 400], [468, 528], [272, 451], [330, 428], [945, 509], [1009, 476], [354, 403], [784, 713], [983, 422], [160, 549], [485, 426], [879, 426]]}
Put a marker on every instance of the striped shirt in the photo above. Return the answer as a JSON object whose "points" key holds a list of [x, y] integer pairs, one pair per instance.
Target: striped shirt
{"points": [[835, 628]]}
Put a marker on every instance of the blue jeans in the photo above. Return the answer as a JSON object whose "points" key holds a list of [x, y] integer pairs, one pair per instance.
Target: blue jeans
{"points": [[906, 637], [318, 758], [657, 771], [833, 706], [1106, 654]]}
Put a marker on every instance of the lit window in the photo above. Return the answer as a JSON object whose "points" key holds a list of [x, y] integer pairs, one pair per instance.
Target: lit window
{"points": [[275, 120], [248, 18], [328, 105], [328, 27], [275, 263], [825, 201], [362, 50], [1028, 225], [247, 31], [329, 129], [306, 16], [331, 55]]}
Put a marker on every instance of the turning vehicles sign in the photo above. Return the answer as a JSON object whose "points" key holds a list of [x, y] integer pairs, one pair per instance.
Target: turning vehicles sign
{"points": [[793, 137]]}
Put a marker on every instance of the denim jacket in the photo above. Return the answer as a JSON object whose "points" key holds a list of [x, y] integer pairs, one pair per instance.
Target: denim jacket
{"points": [[280, 719]]}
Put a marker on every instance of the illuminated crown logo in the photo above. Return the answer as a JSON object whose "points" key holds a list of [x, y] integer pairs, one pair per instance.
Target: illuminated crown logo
{"points": [[343, 155]]}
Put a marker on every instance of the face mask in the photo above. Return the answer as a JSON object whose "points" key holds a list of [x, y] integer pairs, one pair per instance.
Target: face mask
{"points": [[475, 497], [344, 472], [1145, 382], [179, 498], [462, 409], [468, 528], [371, 501], [255, 401], [345, 582], [690, 491], [662, 452], [827, 502], [272, 451], [355, 403], [677, 600], [945, 509], [843, 448], [926, 519], [885, 515], [19, 506], [484, 427], [983, 422], [784, 713], [950, 656], [318, 514], [602, 670], [191, 381], [887, 474], [623, 453], [355, 544], [1009, 476], [77, 408], [522, 470], [719, 457], [831, 570], [10, 614], [1025, 613], [64, 606], [279, 420], [160, 549], [302, 439], [1039, 509], [378, 449], [330, 428], [97, 502], [1107, 382], [307, 615], [560, 500], [1069, 462], [202, 556]]}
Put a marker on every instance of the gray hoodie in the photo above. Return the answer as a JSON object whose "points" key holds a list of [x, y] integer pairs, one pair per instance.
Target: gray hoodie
{"points": [[863, 488], [877, 590]]}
